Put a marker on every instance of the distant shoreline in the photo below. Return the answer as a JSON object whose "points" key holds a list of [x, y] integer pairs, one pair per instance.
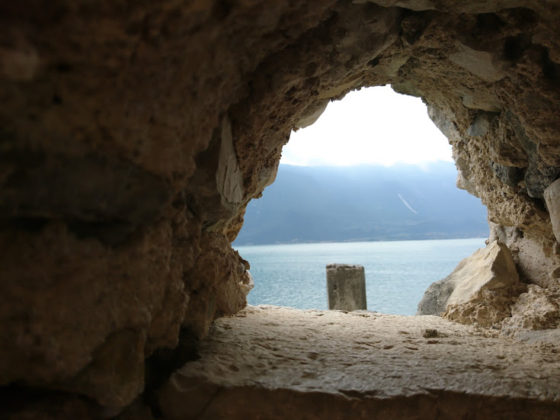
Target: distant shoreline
{"points": [[321, 204], [235, 245]]}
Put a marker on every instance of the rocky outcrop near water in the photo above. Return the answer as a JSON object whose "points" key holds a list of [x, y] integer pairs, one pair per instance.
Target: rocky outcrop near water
{"points": [[133, 135], [480, 290], [484, 295]]}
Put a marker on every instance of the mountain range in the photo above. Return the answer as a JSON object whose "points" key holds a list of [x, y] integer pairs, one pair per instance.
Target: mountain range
{"points": [[363, 203]]}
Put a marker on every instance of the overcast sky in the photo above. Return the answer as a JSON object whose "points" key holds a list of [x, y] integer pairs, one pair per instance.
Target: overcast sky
{"points": [[370, 126]]}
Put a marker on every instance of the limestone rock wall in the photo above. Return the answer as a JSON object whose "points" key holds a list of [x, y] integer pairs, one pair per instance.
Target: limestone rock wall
{"points": [[480, 290], [133, 134]]}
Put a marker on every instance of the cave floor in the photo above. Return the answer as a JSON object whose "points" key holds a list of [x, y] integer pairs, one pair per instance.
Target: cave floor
{"points": [[273, 363]]}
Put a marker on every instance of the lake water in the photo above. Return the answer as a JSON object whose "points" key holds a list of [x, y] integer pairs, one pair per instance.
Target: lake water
{"points": [[397, 272]]}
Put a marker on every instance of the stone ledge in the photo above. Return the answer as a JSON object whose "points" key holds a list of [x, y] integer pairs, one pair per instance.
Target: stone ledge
{"points": [[319, 364]]}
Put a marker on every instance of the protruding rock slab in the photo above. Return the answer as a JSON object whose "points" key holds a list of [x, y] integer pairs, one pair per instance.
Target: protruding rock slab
{"points": [[488, 275], [277, 363], [346, 287], [489, 268]]}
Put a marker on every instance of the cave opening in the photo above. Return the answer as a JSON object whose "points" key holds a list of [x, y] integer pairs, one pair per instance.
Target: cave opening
{"points": [[135, 133], [371, 182]]}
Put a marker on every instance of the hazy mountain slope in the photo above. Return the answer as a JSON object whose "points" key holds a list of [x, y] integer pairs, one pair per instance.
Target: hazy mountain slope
{"points": [[308, 204]]}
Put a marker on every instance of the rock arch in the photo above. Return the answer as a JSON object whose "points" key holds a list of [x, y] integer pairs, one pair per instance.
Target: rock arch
{"points": [[133, 135]]}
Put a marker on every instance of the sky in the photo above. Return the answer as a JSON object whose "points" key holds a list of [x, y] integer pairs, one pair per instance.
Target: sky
{"points": [[372, 126]]}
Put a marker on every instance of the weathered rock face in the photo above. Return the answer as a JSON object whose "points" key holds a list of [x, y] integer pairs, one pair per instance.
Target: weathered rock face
{"points": [[537, 309], [133, 134], [480, 290]]}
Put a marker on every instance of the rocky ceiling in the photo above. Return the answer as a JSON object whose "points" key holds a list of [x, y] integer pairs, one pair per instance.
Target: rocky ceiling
{"points": [[134, 133]]}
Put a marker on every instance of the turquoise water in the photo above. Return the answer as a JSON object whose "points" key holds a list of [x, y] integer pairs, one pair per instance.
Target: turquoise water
{"points": [[397, 272]]}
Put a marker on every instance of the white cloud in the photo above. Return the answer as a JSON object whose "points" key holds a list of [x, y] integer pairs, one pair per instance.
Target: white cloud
{"points": [[370, 126]]}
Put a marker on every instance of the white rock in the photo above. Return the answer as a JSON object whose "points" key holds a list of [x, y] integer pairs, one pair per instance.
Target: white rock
{"points": [[489, 268], [229, 178], [552, 199]]}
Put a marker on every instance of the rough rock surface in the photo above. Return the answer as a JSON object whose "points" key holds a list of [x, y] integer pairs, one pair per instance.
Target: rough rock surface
{"points": [[434, 300], [537, 309], [133, 134], [270, 362], [533, 254], [480, 290]]}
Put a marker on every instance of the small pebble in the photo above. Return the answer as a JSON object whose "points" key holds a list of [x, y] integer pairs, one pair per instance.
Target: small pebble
{"points": [[430, 333]]}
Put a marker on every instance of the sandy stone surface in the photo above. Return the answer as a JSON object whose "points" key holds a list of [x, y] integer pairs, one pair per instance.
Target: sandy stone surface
{"points": [[359, 356]]}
